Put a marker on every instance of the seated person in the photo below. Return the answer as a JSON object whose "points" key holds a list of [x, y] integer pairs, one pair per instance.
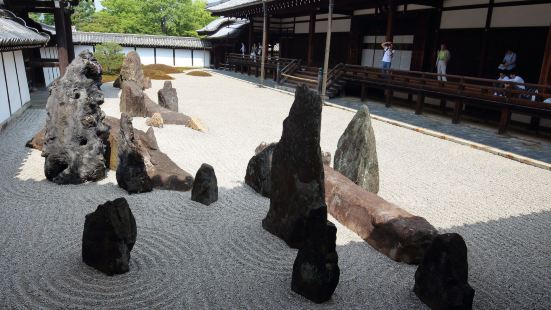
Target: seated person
{"points": [[548, 100], [513, 77], [502, 77]]}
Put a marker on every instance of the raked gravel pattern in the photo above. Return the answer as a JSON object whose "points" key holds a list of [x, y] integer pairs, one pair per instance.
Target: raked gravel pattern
{"points": [[190, 256]]}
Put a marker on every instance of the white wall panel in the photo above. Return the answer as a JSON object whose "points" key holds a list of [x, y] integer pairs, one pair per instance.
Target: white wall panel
{"points": [[471, 18], [13, 83], [198, 58], [183, 58], [207, 59], [339, 25], [22, 76], [301, 27], [367, 57], [522, 16], [81, 48], [127, 49], [4, 100], [364, 12], [165, 56], [147, 55]]}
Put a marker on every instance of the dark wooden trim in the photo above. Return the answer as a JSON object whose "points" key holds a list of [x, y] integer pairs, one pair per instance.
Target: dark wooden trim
{"points": [[6, 81], [17, 77], [419, 104], [154, 55]]}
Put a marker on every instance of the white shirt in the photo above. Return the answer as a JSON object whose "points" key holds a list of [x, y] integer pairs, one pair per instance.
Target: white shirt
{"points": [[387, 57], [518, 79]]}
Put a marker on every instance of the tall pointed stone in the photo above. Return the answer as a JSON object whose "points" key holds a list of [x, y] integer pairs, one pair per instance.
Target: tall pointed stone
{"points": [[75, 139], [297, 171], [356, 155], [131, 69]]}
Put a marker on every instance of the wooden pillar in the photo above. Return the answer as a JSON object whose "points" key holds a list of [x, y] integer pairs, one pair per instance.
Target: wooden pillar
{"points": [[311, 36], [60, 19], [457, 109], [504, 120], [251, 33], [327, 49], [486, 37], [389, 94], [436, 39], [545, 75], [390, 21], [419, 104], [264, 42], [364, 92], [354, 42]]}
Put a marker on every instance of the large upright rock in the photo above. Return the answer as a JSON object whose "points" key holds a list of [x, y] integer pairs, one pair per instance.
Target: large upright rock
{"points": [[441, 280], [131, 171], [132, 99], [205, 186], [75, 137], [108, 237], [131, 70], [356, 155], [168, 98], [258, 174], [297, 171]]}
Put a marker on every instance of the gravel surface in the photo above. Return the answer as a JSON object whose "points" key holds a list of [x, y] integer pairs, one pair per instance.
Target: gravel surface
{"points": [[192, 256]]}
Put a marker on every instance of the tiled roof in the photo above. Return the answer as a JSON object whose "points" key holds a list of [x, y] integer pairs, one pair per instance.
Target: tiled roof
{"points": [[145, 40], [230, 31], [232, 4], [215, 24], [14, 35]]}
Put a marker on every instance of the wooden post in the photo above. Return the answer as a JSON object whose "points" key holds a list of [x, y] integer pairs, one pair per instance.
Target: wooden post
{"points": [[364, 92], [389, 94], [390, 21], [504, 120], [264, 43], [457, 109], [419, 104], [311, 36], [484, 50], [60, 19], [443, 106], [251, 33], [327, 49], [545, 75]]}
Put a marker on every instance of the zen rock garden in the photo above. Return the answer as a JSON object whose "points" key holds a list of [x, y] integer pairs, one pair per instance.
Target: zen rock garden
{"points": [[81, 144]]}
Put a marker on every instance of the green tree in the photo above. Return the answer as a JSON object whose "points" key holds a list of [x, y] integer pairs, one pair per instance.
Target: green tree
{"points": [[45, 18], [110, 57], [83, 14]]}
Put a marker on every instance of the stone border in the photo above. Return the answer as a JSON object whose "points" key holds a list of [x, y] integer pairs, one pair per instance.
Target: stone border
{"points": [[478, 146]]}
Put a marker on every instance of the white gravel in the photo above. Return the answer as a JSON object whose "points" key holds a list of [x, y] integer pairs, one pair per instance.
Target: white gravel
{"points": [[191, 256]]}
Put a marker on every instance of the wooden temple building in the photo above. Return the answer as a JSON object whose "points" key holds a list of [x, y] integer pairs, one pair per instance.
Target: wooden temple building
{"points": [[334, 45]]}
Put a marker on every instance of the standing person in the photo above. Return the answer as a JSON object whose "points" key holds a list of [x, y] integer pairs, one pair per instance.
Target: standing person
{"points": [[509, 61], [442, 58], [388, 48], [242, 49], [253, 52]]}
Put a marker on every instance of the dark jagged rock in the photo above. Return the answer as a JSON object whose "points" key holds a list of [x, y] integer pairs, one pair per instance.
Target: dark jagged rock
{"points": [[131, 170], [258, 174], [205, 186], [441, 280], [316, 270], [297, 171], [356, 155], [75, 138], [168, 98], [108, 237], [132, 99], [131, 70]]}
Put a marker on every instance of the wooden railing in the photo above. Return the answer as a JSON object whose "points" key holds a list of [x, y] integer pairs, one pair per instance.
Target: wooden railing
{"points": [[504, 96], [247, 63]]}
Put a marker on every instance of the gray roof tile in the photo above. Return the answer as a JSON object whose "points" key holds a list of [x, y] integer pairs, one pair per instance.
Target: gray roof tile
{"points": [[143, 40], [14, 35]]}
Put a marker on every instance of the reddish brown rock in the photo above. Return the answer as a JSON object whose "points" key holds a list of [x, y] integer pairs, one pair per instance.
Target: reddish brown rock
{"points": [[37, 142], [386, 227], [171, 117]]}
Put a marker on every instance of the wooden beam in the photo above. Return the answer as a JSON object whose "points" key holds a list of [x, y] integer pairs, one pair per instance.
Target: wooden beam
{"points": [[311, 36]]}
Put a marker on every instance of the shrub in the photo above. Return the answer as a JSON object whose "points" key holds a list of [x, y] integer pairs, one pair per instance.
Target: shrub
{"points": [[110, 56], [163, 68], [156, 74], [198, 73]]}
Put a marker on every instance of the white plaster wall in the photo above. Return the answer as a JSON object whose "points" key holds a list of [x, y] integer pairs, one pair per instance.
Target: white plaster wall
{"points": [[451, 3], [22, 76], [364, 12], [147, 55], [183, 58], [471, 18], [81, 48], [301, 27], [12, 81], [127, 49], [338, 25], [165, 56], [4, 103], [198, 58], [522, 16]]}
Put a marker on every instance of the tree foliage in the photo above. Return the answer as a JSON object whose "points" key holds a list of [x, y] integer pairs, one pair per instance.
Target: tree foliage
{"points": [[169, 17], [110, 57]]}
